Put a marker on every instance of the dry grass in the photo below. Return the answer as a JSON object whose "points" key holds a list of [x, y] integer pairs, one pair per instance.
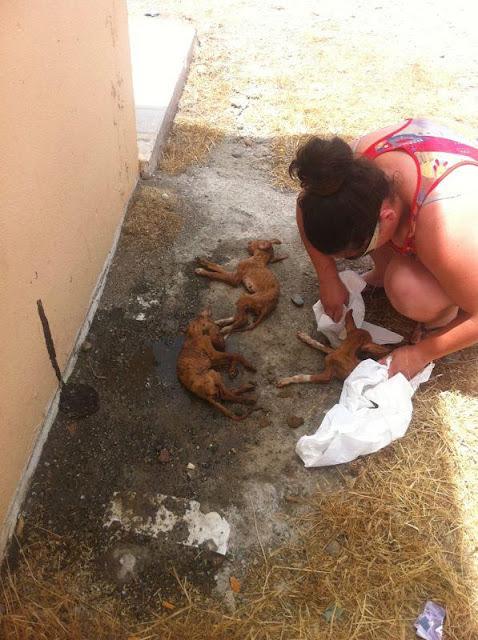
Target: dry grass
{"points": [[49, 597], [188, 144], [153, 217]]}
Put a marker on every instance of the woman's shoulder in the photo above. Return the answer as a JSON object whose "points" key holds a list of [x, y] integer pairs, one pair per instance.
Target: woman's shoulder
{"points": [[363, 143], [448, 214]]}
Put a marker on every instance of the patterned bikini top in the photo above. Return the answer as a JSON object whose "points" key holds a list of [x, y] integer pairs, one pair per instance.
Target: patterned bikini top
{"points": [[436, 153]]}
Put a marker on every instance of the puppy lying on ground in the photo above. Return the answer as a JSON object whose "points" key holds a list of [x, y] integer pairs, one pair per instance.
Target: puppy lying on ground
{"points": [[340, 362], [202, 352], [262, 285]]}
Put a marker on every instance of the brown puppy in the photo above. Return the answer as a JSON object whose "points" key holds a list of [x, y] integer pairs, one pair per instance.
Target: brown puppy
{"points": [[202, 352], [262, 285], [340, 362]]}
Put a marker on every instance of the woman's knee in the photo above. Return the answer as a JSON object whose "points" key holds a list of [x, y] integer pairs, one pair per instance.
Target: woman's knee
{"points": [[413, 291]]}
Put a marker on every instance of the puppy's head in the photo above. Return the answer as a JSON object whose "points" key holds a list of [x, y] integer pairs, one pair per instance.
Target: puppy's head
{"points": [[262, 245], [203, 325]]}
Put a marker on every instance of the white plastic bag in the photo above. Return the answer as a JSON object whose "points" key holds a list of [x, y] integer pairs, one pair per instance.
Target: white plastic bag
{"points": [[335, 331], [373, 410]]}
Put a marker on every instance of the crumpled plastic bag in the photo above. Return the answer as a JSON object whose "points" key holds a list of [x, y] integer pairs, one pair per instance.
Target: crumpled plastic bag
{"points": [[429, 624], [335, 331], [373, 411]]}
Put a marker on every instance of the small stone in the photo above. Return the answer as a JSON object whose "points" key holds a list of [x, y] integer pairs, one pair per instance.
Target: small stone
{"points": [[333, 548], [72, 427], [234, 584], [164, 456], [264, 421], [86, 346], [236, 154], [295, 421], [298, 300], [248, 142], [191, 466]]}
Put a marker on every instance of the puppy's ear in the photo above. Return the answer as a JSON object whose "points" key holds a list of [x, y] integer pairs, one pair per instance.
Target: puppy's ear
{"points": [[275, 241]]}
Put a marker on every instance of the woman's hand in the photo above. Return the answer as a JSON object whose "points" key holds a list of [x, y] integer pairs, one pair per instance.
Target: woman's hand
{"points": [[407, 360], [333, 295]]}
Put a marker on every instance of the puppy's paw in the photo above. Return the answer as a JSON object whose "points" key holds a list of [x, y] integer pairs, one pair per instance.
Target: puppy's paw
{"points": [[200, 272]]}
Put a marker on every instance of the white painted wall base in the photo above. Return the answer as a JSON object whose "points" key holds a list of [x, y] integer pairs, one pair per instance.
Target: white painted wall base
{"points": [[8, 527]]}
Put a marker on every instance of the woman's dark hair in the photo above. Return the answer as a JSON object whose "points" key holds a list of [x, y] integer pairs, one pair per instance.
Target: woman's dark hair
{"points": [[341, 195]]}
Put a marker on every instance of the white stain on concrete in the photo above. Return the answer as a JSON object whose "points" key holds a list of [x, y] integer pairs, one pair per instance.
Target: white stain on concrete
{"points": [[205, 527], [147, 304], [148, 515]]}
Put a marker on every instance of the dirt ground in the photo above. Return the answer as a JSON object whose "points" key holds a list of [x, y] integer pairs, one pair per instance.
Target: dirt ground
{"points": [[374, 64], [244, 471]]}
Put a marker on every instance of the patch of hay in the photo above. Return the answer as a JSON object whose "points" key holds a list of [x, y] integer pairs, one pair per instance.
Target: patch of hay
{"points": [[51, 598], [188, 144], [204, 112], [152, 219]]}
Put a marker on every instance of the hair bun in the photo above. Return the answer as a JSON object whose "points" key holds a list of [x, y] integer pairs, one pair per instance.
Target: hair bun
{"points": [[322, 166]]}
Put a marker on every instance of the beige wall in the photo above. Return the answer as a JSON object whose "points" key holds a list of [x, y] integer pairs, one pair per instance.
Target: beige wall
{"points": [[68, 164]]}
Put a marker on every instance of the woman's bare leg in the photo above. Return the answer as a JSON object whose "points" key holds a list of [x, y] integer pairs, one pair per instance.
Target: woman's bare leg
{"points": [[415, 293]]}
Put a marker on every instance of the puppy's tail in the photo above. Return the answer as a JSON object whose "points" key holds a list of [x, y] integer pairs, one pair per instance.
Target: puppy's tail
{"points": [[228, 413]]}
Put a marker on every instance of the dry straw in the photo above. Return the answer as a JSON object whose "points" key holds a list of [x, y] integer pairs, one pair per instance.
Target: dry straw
{"points": [[153, 218]]}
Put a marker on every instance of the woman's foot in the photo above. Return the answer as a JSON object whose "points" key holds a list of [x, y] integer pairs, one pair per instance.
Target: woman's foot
{"points": [[423, 329]]}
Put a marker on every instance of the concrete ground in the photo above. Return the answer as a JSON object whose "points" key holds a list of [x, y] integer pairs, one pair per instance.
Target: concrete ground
{"points": [[118, 482]]}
